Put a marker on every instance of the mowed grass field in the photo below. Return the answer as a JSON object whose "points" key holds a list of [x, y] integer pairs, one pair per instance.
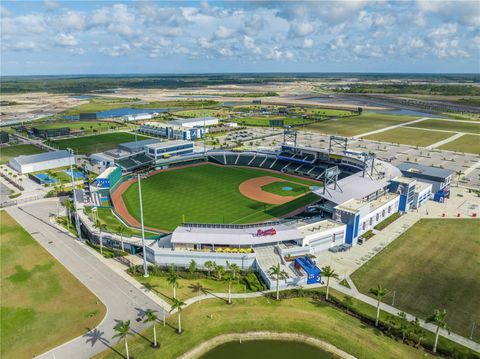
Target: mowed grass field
{"points": [[97, 143], [279, 188], [265, 120], [435, 264], [205, 194], [445, 125], [6, 153], [210, 318], [410, 136], [466, 143], [42, 304], [351, 126]]}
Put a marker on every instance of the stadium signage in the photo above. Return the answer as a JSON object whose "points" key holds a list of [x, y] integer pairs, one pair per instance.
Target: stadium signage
{"points": [[266, 232]]}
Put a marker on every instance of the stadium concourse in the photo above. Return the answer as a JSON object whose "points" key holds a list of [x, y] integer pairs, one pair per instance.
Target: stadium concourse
{"points": [[354, 192]]}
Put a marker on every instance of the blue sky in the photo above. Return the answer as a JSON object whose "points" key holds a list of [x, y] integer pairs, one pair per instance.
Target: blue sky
{"points": [[88, 37]]}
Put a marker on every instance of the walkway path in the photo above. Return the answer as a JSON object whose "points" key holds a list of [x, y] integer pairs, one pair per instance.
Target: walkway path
{"points": [[123, 300], [391, 127], [447, 140]]}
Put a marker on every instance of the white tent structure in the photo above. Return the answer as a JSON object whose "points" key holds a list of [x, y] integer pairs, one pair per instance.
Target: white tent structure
{"points": [[40, 162]]}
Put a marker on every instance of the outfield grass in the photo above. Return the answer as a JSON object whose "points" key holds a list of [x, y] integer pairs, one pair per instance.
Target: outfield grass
{"points": [[42, 304], [264, 120], [456, 126], [210, 318], [205, 194], [97, 143], [410, 136], [351, 126], [435, 264], [466, 143], [6, 153], [277, 188]]}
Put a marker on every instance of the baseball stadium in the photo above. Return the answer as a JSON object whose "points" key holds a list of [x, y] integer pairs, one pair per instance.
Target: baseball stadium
{"points": [[251, 208]]}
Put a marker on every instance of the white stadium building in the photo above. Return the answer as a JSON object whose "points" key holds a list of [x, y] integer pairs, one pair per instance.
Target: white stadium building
{"points": [[39, 162]]}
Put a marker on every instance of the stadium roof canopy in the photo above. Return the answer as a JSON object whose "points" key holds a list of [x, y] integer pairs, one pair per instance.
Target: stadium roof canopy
{"points": [[135, 146], [41, 157]]}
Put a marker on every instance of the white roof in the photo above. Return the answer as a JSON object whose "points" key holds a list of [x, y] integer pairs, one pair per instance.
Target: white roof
{"points": [[167, 144], [41, 157], [107, 172], [227, 235]]}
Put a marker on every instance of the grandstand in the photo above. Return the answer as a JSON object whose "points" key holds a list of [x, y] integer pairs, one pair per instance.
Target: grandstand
{"points": [[135, 162]]}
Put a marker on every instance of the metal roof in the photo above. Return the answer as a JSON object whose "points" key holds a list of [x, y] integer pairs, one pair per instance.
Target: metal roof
{"points": [[134, 145], [41, 157], [168, 144], [417, 169]]}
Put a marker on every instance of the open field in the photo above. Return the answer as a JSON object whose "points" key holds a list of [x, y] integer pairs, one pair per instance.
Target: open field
{"points": [[466, 143], [8, 152], [43, 305], [264, 120], [351, 126], [278, 188], [205, 194], [311, 111], [435, 264], [96, 143], [87, 126], [410, 136], [207, 319], [209, 112], [456, 126]]}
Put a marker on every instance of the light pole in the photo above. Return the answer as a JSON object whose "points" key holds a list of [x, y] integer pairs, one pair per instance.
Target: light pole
{"points": [[77, 221], [145, 269]]}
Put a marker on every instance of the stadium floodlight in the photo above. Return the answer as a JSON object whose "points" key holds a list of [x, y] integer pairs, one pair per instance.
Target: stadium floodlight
{"points": [[77, 221], [145, 268]]}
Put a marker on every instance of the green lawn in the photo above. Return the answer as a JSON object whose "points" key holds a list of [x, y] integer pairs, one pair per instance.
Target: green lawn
{"points": [[322, 112], [457, 126], [97, 143], [87, 126], [351, 126], [278, 188], [435, 264], [6, 153], [210, 318], [410, 136], [264, 120], [205, 194], [466, 143], [208, 112], [42, 304]]}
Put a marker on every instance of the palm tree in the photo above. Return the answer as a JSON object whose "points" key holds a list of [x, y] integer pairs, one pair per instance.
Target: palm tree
{"points": [[123, 331], [277, 271], [101, 226], [234, 269], [210, 266], [459, 174], [229, 278], [417, 331], [178, 304], [379, 293], [172, 279], [219, 270], [404, 325], [328, 272], [439, 318], [121, 230], [151, 316]]}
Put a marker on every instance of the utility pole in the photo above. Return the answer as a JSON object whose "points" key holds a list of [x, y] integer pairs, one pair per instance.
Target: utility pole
{"points": [[472, 331], [145, 268], [393, 300], [77, 221]]}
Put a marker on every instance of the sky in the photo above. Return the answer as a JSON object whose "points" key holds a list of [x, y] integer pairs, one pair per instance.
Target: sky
{"points": [[119, 37]]}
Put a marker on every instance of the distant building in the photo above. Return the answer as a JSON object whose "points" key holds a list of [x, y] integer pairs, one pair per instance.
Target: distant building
{"points": [[172, 132], [4, 137], [46, 132], [40, 162], [138, 117], [168, 149], [194, 122], [230, 124], [136, 146]]}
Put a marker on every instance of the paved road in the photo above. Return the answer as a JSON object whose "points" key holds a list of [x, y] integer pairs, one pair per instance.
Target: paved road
{"points": [[122, 299]]}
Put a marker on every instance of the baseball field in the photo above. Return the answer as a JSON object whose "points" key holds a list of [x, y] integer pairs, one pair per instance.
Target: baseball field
{"points": [[209, 193]]}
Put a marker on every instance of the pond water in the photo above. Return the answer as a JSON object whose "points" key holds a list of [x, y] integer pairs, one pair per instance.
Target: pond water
{"points": [[123, 111], [261, 349]]}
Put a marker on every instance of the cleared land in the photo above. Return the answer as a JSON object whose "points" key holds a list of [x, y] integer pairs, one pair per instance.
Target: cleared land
{"points": [[466, 143], [456, 126], [42, 304], [279, 188], [205, 194], [265, 120], [410, 136], [87, 126], [351, 126], [435, 264], [97, 143], [6, 153], [208, 319]]}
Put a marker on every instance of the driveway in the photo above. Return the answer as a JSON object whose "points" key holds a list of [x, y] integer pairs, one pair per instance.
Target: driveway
{"points": [[123, 300]]}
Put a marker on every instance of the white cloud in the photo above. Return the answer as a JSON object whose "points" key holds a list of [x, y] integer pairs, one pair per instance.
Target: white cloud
{"points": [[116, 50], [76, 51], [73, 20], [466, 12], [66, 39], [307, 43], [223, 33], [301, 29], [51, 4], [4, 12]]}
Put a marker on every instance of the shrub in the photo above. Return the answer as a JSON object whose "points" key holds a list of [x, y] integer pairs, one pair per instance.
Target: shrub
{"points": [[253, 283]]}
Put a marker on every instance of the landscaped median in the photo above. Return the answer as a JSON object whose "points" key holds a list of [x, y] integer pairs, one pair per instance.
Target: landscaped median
{"points": [[343, 322]]}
